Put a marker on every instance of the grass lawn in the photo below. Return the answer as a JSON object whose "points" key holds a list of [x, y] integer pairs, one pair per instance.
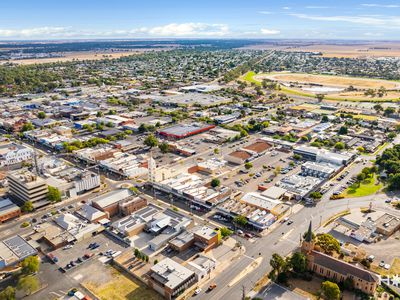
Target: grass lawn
{"points": [[249, 77], [122, 287], [367, 187]]}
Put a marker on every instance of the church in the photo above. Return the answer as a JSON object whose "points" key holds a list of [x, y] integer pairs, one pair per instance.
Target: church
{"points": [[335, 269]]}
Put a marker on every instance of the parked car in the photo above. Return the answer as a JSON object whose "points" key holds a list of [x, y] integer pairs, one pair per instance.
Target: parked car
{"points": [[212, 286], [197, 291]]}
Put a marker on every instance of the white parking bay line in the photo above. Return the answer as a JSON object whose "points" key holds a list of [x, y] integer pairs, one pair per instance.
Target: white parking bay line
{"points": [[78, 277]]}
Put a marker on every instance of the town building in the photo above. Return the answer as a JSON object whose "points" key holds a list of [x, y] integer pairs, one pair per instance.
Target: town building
{"points": [[322, 155], [8, 210], [337, 270], [12, 153], [26, 186], [14, 250], [111, 202], [181, 131], [170, 278]]}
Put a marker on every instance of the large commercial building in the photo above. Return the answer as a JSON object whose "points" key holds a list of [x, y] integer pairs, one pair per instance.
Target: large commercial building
{"points": [[181, 131], [26, 186], [321, 155]]}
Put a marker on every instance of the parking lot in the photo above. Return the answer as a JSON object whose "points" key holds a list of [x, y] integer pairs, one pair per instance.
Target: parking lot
{"points": [[79, 250]]}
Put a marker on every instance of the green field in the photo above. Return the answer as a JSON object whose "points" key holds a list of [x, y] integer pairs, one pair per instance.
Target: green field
{"points": [[249, 77], [366, 188]]}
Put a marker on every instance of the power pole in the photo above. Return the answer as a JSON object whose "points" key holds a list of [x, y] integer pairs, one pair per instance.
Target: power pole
{"points": [[243, 293]]}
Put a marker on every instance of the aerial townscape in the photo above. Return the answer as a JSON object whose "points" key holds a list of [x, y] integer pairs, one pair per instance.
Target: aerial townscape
{"points": [[208, 159]]}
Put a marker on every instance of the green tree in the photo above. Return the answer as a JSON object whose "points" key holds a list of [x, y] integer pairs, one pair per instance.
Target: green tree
{"points": [[53, 194], [27, 206], [8, 293], [298, 262], [278, 265], [389, 111], [215, 182], [328, 243], [240, 220], [151, 141], [343, 130], [324, 119], [164, 147], [339, 146], [330, 290], [225, 232], [316, 195], [391, 135], [41, 115], [361, 177], [378, 108], [248, 165], [27, 127], [30, 265], [28, 284]]}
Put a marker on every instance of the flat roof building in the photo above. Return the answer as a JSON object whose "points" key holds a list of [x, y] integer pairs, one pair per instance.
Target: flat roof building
{"points": [[8, 210], [181, 131], [26, 186], [170, 278], [13, 250]]}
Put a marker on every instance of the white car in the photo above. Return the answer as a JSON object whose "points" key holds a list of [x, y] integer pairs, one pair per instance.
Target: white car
{"points": [[67, 247], [239, 231], [387, 266], [197, 291]]}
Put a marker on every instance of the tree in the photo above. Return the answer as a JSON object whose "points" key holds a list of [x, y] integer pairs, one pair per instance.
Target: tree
{"points": [[27, 206], [298, 262], [151, 141], [8, 293], [278, 264], [328, 243], [343, 130], [389, 111], [339, 146], [361, 176], [27, 127], [330, 290], [316, 195], [53, 194], [378, 108], [240, 220], [164, 147], [248, 165], [324, 119], [41, 115], [216, 151], [215, 182], [28, 284], [320, 97], [225, 232], [391, 135], [30, 265]]}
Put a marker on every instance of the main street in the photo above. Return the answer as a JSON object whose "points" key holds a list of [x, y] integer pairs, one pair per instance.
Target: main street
{"points": [[284, 239]]}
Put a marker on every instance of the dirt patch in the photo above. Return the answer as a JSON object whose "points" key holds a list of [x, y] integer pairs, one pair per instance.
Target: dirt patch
{"points": [[339, 81]]}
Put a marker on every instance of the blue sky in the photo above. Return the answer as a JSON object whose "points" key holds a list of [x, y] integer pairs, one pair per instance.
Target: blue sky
{"points": [[60, 19]]}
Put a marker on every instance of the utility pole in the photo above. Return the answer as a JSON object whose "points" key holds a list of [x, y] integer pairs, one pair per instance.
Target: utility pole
{"points": [[243, 293]]}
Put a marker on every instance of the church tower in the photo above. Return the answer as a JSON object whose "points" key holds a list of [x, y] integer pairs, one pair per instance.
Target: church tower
{"points": [[308, 243]]}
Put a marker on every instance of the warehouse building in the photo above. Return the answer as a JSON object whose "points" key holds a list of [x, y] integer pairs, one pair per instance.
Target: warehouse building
{"points": [[181, 131], [14, 250], [8, 210]]}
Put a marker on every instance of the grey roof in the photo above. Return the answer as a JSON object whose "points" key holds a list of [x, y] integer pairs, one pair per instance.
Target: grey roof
{"points": [[19, 247], [342, 267], [170, 273], [112, 197]]}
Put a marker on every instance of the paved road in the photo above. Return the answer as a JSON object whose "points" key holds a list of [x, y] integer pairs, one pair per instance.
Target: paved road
{"points": [[283, 240]]}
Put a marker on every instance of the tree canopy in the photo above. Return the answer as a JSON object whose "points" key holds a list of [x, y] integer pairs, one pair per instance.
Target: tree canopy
{"points": [[330, 290]]}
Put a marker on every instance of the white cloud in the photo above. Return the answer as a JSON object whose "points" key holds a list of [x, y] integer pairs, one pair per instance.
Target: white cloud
{"points": [[169, 30], [366, 20], [266, 31], [286, 8], [33, 32], [381, 5], [263, 12], [317, 7]]}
